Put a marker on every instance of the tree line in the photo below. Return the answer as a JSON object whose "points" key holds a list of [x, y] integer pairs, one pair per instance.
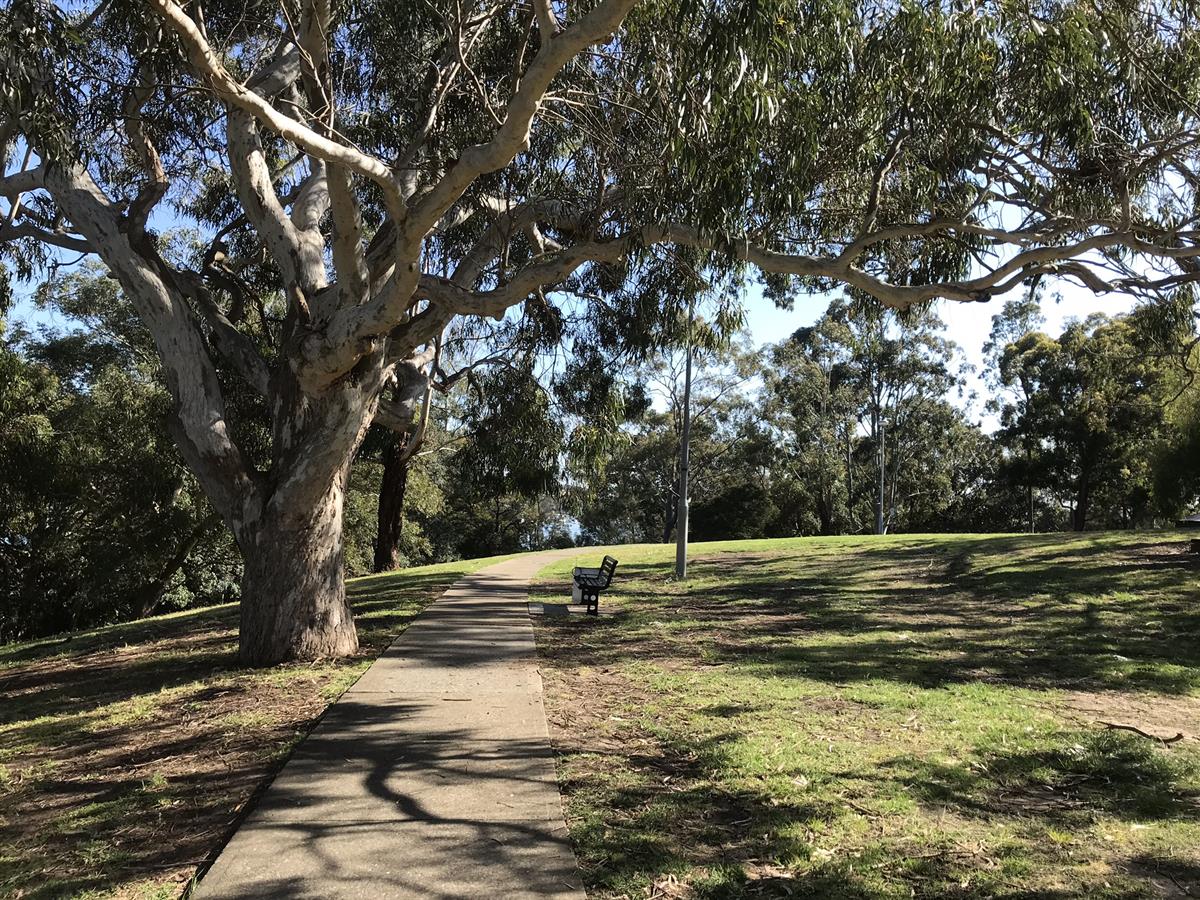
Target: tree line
{"points": [[860, 423]]}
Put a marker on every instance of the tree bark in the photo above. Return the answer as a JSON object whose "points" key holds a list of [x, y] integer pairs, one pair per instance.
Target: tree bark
{"points": [[1029, 484], [390, 521], [825, 511], [669, 516], [1082, 501], [293, 593], [850, 480], [881, 475]]}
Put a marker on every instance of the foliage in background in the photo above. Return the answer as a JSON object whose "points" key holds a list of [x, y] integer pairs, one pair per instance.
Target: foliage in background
{"points": [[99, 519], [101, 522]]}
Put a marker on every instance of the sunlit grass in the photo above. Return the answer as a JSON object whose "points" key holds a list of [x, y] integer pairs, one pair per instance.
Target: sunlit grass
{"points": [[866, 717]]}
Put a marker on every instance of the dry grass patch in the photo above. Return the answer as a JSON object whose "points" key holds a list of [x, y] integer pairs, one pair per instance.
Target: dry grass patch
{"points": [[128, 754]]}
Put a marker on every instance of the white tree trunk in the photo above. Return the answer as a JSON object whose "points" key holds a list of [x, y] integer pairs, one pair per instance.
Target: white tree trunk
{"points": [[293, 591]]}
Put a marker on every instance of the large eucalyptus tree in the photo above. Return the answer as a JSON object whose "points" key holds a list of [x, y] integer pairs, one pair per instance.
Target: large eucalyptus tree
{"points": [[364, 172]]}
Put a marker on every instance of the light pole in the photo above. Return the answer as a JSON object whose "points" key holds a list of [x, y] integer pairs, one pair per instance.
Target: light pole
{"points": [[681, 528]]}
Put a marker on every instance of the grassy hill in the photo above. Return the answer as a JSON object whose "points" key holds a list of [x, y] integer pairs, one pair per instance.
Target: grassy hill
{"points": [[812, 717], [866, 717]]}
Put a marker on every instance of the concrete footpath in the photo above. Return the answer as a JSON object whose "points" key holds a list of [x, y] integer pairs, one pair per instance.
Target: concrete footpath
{"points": [[432, 777]]}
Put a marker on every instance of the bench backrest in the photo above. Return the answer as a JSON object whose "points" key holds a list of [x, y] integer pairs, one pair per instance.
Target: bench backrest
{"points": [[607, 568]]}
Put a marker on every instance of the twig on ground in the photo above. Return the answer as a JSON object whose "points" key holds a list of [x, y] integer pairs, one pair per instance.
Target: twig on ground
{"points": [[862, 810], [1154, 737]]}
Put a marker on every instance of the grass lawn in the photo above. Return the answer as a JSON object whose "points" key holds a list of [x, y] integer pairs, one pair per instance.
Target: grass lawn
{"points": [[884, 717], [127, 753]]}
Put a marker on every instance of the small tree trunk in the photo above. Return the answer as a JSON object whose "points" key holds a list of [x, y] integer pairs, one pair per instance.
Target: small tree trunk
{"points": [[881, 485], [1083, 500], [685, 440], [825, 511], [152, 593], [1029, 484], [669, 514], [293, 591], [849, 479], [391, 506]]}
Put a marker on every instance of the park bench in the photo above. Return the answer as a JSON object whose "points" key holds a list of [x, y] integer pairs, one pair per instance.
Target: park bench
{"points": [[590, 583]]}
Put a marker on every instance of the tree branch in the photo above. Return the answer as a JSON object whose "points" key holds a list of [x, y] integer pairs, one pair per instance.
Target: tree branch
{"points": [[203, 437], [152, 192], [206, 62], [13, 231], [299, 256], [22, 182], [512, 137], [232, 344], [546, 19]]}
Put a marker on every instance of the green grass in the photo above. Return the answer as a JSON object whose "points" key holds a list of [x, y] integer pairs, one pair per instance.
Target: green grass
{"points": [[843, 717], [884, 717], [127, 752]]}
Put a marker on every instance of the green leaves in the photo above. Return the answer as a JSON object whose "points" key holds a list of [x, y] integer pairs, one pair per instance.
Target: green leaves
{"points": [[40, 36]]}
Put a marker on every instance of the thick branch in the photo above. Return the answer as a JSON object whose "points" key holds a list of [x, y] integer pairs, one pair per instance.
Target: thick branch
{"points": [[546, 19], [13, 231], [354, 332], [231, 343], [297, 254], [152, 192], [202, 434], [512, 137], [349, 260], [312, 201], [22, 182], [209, 65]]}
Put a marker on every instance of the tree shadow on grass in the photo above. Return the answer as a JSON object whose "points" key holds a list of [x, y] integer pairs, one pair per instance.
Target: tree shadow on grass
{"points": [[1019, 611], [1124, 777], [642, 815], [1000, 610], [122, 662]]}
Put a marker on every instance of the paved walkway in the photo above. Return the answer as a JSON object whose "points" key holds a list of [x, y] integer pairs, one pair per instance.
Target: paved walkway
{"points": [[432, 777]]}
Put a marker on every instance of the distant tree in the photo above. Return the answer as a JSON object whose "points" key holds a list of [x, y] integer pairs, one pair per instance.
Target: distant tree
{"points": [[859, 407], [636, 492], [1176, 471], [505, 477], [1015, 394], [900, 369], [949, 482], [740, 496], [1090, 413], [812, 401]]}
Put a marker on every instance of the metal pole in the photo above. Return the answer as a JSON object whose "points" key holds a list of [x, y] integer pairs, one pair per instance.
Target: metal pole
{"points": [[879, 512], [681, 527]]}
